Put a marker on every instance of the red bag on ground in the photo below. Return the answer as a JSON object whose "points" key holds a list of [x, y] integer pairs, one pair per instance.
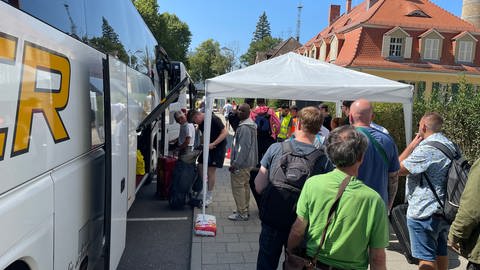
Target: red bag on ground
{"points": [[164, 179]]}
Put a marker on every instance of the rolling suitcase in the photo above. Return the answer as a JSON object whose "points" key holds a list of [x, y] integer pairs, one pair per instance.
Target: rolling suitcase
{"points": [[398, 219], [165, 173], [184, 175]]}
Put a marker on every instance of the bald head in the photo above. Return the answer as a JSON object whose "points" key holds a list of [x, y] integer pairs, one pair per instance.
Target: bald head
{"points": [[361, 112], [243, 111]]}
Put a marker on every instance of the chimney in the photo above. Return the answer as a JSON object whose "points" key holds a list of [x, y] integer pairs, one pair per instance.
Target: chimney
{"points": [[334, 14], [471, 12], [349, 6], [370, 3]]}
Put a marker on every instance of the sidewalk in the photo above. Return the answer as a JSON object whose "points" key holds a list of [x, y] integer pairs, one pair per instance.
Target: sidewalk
{"points": [[236, 244]]}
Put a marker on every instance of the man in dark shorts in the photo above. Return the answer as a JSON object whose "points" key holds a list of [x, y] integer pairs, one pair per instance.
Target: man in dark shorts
{"points": [[217, 146]]}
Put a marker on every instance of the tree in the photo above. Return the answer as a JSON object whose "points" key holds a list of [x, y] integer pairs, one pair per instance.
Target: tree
{"points": [[169, 31], [174, 36], [263, 28], [263, 45], [208, 61], [109, 42]]}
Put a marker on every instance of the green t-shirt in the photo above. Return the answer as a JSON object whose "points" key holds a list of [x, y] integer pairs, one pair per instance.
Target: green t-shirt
{"points": [[360, 221]]}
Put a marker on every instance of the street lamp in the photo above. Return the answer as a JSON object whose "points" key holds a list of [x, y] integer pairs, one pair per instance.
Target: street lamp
{"points": [[231, 57]]}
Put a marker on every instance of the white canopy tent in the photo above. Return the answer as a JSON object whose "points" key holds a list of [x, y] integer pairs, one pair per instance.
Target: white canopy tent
{"points": [[295, 77]]}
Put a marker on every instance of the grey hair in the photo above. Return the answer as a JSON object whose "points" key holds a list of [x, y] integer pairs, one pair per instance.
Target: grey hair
{"points": [[346, 146], [177, 114]]}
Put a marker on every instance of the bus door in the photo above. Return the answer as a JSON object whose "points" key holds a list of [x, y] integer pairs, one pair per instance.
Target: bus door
{"points": [[116, 144]]}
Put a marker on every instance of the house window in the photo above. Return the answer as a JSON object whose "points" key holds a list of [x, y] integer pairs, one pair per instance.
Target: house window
{"points": [[465, 51], [396, 44], [431, 49]]}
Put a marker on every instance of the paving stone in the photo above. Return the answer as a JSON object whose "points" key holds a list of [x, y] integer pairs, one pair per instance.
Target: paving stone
{"points": [[234, 229], [215, 267], [214, 247], [248, 237], [250, 257], [238, 247], [246, 266], [209, 258], [230, 257]]}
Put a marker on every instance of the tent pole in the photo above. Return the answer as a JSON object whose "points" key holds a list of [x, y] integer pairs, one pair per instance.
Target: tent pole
{"points": [[206, 141]]}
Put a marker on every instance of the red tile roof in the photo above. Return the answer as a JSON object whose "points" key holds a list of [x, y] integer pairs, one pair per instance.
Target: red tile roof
{"points": [[362, 33]]}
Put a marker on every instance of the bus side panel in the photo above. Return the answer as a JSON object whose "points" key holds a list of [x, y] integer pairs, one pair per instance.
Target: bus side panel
{"points": [[27, 224], [48, 66], [119, 160], [79, 210]]}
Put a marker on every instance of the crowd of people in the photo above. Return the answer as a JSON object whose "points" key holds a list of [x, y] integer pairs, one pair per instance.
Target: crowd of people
{"points": [[303, 157]]}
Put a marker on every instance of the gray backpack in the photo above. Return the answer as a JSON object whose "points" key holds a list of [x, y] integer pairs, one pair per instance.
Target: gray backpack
{"points": [[287, 177], [456, 180]]}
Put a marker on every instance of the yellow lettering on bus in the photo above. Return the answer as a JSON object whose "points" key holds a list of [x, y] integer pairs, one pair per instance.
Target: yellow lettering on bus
{"points": [[8, 48], [3, 142], [35, 99]]}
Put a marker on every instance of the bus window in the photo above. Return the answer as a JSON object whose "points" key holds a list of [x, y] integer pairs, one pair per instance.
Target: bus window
{"points": [[67, 15]]}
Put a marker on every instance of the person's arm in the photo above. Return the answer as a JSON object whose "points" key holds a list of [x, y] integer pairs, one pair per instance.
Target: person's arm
{"points": [[297, 233], [261, 181], [185, 143], [219, 139], [404, 171], [392, 188], [377, 259]]}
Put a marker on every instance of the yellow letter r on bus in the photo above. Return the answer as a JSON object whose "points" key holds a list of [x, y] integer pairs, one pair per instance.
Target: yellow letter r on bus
{"points": [[44, 89]]}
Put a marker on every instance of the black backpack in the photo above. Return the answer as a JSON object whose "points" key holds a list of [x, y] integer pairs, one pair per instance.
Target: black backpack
{"points": [[287, 177], [456, 180], [263, 124]]}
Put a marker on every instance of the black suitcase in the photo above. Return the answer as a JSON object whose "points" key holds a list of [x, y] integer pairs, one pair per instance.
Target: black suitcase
{"points": [[398, 219], [183, 177]]}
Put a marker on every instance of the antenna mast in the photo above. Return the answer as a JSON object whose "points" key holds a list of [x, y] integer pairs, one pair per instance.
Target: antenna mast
{"points": [[299, 7]]}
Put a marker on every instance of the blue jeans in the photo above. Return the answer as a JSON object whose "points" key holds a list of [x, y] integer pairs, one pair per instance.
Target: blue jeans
{"points": [[428, 237], [271, 244]]}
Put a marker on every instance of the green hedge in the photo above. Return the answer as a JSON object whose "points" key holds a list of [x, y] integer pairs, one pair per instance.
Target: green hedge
{"points": [[458, 104]]}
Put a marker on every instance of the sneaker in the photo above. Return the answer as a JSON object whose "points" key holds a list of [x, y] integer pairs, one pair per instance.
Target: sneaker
{"points": [[248, 214], [208, 201], [238, 217]]}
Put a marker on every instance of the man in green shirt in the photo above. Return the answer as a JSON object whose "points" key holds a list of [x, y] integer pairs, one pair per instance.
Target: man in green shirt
{"points": [[358, 233], [464, 233]]}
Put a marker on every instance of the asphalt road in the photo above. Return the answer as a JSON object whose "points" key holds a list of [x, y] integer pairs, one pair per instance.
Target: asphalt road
{"points": [[157, 237]]}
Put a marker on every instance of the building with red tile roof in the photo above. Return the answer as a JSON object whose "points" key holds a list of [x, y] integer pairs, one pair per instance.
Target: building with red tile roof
{"points": [[414, 41]]}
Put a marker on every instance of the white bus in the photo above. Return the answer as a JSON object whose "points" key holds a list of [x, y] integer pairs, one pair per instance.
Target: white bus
{"points": [[83, 85]]}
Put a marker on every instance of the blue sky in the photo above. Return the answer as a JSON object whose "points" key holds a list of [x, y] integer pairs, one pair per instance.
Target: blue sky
{"points": [[232, 22]]}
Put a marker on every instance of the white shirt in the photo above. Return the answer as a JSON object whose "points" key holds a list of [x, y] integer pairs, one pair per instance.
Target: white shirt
{"points": [[186, 130]]}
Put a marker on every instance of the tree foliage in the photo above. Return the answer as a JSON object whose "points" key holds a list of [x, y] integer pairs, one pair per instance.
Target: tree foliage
{"points": [[263, 28], [458, 105], [169, 31], [208, 61], [263, 45], [109, 42]]}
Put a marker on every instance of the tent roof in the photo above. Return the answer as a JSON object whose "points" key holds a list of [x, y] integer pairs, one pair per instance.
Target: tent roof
{"points": [[293, 76]]}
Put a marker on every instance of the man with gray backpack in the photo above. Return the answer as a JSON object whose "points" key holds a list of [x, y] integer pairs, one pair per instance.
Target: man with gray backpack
{"points": [[283, 172], [434, 169]]}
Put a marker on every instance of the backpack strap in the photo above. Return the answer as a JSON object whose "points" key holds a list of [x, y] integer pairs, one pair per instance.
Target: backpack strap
{"points": [[424, 174], [332, 210], [287, 148], [445, 150], [376, 145]]}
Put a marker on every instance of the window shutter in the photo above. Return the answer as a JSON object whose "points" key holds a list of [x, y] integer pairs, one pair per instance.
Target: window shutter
{"points": [[408, 48], [386, 46]]}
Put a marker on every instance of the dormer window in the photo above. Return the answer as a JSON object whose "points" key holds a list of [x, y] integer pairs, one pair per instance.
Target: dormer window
{"points": [[418, 13], [396, 45], [431, 45], [465, 51], [464, 47]]}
